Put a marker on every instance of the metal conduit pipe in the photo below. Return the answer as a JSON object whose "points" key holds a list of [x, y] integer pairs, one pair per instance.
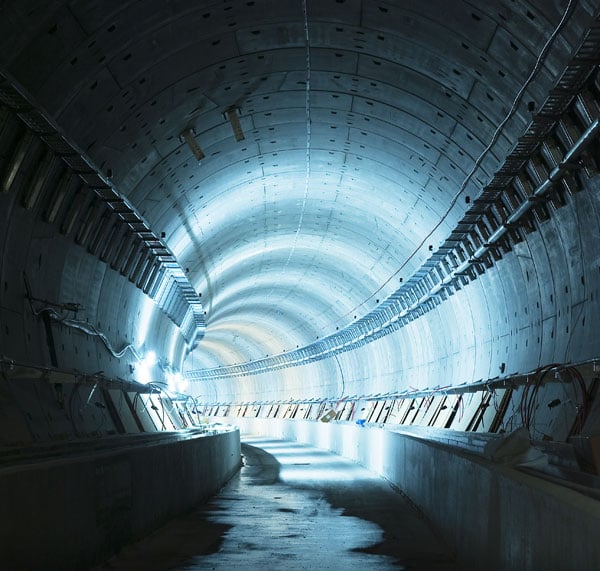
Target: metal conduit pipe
{"points": [[558, 172]]}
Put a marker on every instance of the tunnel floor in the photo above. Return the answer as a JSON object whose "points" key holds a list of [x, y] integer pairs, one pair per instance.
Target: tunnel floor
{"points": [[293, 507]]}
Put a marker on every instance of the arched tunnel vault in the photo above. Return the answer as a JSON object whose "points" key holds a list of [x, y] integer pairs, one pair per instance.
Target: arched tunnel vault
{"points": [[370, 128]]}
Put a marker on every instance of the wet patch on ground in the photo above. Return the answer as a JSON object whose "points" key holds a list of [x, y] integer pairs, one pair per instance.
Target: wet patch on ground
{"points": [[290, 508]]}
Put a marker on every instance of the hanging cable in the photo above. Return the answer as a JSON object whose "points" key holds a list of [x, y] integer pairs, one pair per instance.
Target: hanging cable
{"points": [[531, 388], [75, 324], [582, 399], [89, 330], [156, 387]]}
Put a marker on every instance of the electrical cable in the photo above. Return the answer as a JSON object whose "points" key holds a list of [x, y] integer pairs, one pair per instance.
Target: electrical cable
{"points": [[307, 106], [341, 375], [135, 403], [79, 325], [308, 133], [582, 405], [90, 330], [516, 101], [531, 389], [162, 406]]}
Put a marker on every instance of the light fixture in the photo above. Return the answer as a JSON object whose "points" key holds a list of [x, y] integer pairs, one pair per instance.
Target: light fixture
{"points": [[232, 115], [189, 136], [144, 369], [176, 382]]}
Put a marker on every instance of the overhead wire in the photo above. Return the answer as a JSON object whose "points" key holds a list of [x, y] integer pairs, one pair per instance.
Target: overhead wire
{"points": [[308, 134]]}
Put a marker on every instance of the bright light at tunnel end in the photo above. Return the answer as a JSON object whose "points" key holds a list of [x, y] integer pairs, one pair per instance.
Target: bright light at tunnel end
{"points": [[176, 382], [144, 369], [150, 371]]}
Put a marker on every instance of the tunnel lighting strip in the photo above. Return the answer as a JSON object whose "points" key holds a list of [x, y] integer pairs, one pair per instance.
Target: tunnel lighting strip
{"points": [[171, 289], [472, 246]]}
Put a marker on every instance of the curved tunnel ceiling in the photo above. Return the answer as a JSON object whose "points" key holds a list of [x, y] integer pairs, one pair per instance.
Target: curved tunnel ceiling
{"points": [[366, 127]]}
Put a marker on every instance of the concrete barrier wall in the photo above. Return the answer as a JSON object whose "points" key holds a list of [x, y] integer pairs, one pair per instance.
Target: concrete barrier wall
{"points": [[494, 517], [70, 514]]}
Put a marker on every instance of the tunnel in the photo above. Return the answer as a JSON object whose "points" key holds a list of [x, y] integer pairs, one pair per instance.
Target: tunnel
{"points": [[367, 226]]}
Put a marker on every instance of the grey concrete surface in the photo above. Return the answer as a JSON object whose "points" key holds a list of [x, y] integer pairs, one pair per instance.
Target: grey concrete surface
{"points": [[67, 514], [371, 131], [294, 507], [494, 517], [296, 233]]}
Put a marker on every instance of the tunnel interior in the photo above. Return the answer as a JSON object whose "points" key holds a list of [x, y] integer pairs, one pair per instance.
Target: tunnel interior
{"points": [[349, 154], [244, 203]]}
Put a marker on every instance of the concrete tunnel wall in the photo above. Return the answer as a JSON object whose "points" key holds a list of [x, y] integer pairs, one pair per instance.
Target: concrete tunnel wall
{"points": [[537, 305], [132, 89], [60, 271], [123, 83]]}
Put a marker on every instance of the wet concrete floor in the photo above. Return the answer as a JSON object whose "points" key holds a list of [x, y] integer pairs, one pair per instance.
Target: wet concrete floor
{"points": [[293, 507]]}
